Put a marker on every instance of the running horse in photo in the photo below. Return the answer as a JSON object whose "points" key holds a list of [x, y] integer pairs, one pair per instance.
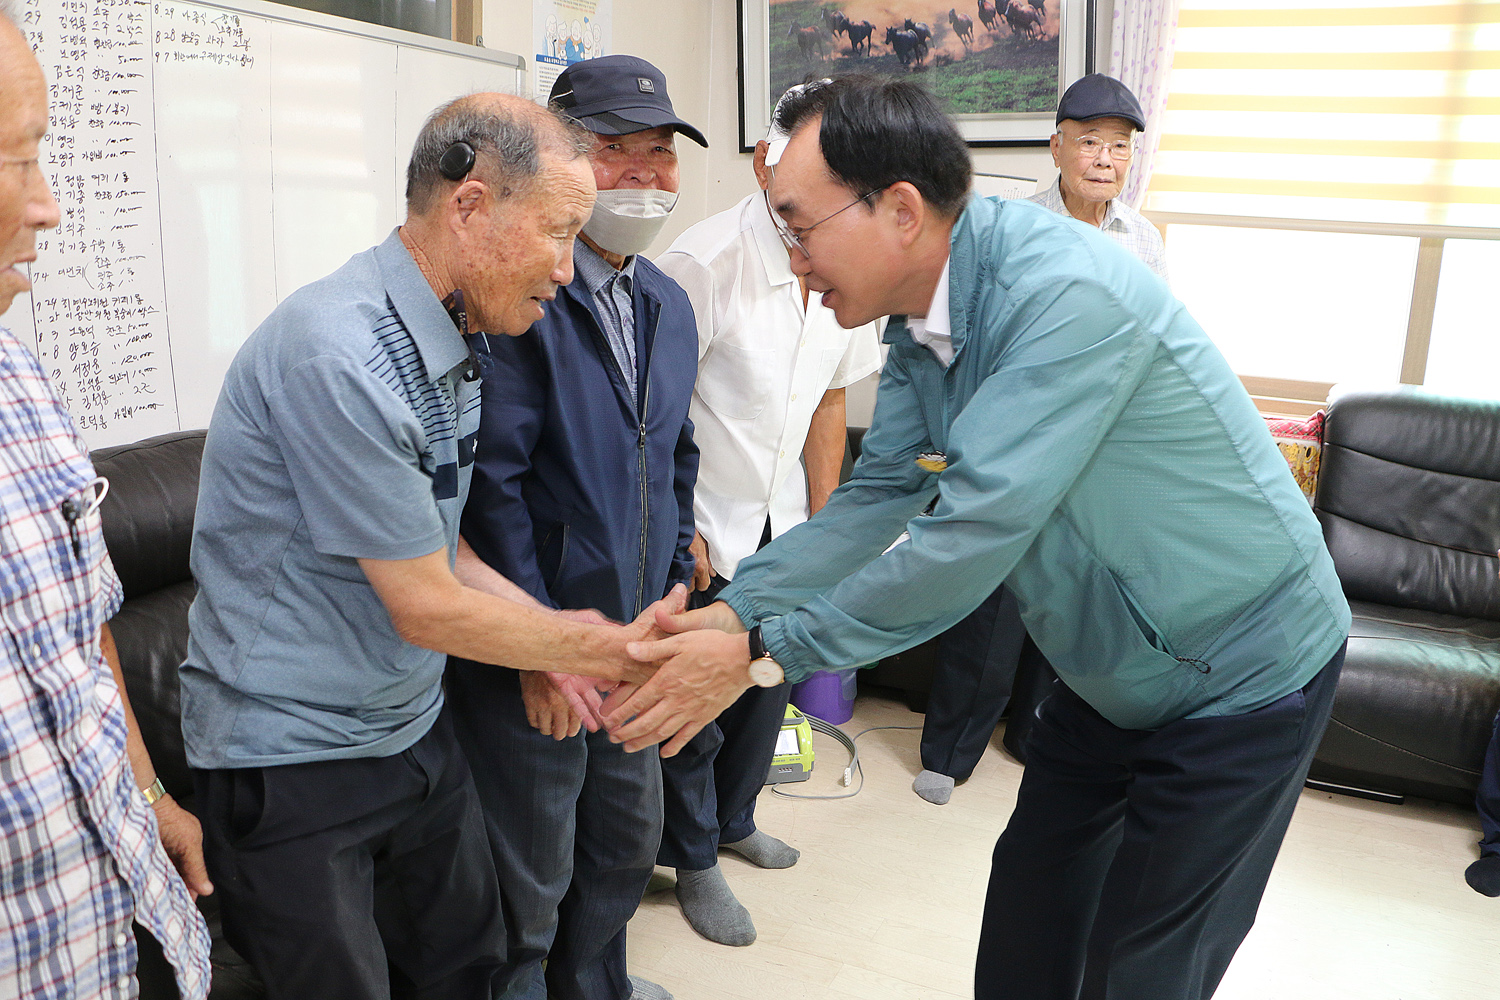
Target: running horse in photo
{"points": [[859, 34], [1023, 19], [987, 15], [963, 26], [907, 46], [810, 40]]}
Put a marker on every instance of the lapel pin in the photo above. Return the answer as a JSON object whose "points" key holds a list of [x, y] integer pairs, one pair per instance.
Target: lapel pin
{"points": [[932, 461]]}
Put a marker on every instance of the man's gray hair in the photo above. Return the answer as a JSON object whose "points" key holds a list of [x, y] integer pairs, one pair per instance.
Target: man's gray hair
{"points": [[8, 11], [508, 141]]}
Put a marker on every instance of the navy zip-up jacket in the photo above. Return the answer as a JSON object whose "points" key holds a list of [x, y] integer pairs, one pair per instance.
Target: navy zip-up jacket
{"points": [[580, 497]]}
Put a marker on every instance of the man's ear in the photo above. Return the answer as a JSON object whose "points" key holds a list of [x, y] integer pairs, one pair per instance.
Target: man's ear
{"points": [[469, 197], [909, 208], [1055, 144], [762, 172]]}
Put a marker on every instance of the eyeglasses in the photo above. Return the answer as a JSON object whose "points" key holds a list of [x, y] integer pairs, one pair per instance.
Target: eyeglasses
{"points": [[793, 241], [1090, 145]]}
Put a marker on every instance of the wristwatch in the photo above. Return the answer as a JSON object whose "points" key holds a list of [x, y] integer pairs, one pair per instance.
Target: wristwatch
{"points": [[764, 671], [153, 791]]}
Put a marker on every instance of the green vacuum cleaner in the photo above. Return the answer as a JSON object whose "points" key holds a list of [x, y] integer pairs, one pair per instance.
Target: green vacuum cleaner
{"points": [[793, 759]]}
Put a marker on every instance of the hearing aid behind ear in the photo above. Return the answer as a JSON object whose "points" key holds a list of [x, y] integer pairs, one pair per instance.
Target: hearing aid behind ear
{"points": [[456, 162]]}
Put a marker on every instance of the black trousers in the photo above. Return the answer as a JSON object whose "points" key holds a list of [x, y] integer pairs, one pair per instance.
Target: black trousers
{"points": [[1134, 862], [153, 973], [361, 879], [976, 666], [709, 788], [1487, 797]]}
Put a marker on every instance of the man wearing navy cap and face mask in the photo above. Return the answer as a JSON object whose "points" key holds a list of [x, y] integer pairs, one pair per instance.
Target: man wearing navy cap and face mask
{"points": [[583, 496], [768, 415]]}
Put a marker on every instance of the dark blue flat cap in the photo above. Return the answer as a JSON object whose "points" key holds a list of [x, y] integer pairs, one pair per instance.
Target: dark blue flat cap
{"points": [[618, 95], [1100, 96]]}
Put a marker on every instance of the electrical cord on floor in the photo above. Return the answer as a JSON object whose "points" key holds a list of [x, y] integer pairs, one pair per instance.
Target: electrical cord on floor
{"points": [[852, 745]]}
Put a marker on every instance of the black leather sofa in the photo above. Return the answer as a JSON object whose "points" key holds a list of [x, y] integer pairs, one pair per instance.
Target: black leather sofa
{"points": [[1409, 499], [148, 527]]}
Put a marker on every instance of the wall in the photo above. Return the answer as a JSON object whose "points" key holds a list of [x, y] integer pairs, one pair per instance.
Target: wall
{"points": [[694, 42]]}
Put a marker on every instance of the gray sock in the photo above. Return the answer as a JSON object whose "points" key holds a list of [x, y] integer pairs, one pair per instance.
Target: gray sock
{"points": [[710, 906], [645, 989], [765, 851], [935, 788]]}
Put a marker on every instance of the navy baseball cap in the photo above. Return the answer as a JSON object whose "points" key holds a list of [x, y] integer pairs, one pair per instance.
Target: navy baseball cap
{"points": [[1100, 96], [618, 95]]}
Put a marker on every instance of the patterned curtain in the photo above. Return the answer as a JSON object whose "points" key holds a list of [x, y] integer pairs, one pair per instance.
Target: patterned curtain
{"points": [[1142, 40]]}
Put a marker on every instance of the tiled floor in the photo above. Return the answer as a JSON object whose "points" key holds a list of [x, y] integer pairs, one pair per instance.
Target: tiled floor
{"points": [[1367, 901]]}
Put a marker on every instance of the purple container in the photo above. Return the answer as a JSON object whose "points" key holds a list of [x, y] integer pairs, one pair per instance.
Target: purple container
{"points": [[826, 694]]}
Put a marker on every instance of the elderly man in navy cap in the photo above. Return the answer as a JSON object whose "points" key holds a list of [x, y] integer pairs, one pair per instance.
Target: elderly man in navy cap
{"points": [[1097, 121], [583, 496]]}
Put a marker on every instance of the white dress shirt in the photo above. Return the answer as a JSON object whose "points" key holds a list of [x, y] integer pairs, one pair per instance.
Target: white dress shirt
{"points": [[764, 364], [1122, 224], [935, 330]]}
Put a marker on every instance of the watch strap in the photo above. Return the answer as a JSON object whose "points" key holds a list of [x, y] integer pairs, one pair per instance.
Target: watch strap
{"points": [[757, 644], [154, 791]]}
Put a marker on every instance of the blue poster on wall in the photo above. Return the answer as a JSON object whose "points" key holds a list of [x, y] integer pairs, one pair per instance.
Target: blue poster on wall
{"points": [[568, 31]]}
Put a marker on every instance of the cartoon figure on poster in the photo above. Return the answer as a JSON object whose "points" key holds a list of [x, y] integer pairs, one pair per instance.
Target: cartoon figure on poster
{"points": [[593, 40], [553, 42], [573, 46], [585, 41], [977, 56]]}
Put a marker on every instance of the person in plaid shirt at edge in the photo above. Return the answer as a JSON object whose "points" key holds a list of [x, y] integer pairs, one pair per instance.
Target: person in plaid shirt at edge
{"points": [[81, 848]]}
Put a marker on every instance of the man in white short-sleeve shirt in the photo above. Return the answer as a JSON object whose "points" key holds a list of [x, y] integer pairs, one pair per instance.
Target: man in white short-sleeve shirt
{"points": [[768, 418]]}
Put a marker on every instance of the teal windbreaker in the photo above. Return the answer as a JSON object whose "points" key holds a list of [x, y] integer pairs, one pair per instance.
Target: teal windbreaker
{"points": [[1102, 460]]}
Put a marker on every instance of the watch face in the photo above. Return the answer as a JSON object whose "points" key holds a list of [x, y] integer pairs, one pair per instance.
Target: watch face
{"points": [[766, 672]]}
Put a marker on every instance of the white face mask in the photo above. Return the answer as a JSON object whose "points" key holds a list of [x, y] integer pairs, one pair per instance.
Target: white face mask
{"points": [[626, 220]]}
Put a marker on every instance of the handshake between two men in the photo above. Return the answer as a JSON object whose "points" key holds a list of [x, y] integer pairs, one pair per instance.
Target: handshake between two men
{"points": [[684, 668], [662, 677]]}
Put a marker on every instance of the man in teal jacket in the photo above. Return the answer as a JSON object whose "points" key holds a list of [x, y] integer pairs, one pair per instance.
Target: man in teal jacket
{"points": [[1086, 444]]}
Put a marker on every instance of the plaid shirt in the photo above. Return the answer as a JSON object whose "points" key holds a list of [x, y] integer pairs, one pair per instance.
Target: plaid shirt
{"points": [[79, 851], [1123, 224]]}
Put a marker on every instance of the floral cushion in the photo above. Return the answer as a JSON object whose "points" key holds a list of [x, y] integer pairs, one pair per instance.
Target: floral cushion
{"points": [[1301, 444]]}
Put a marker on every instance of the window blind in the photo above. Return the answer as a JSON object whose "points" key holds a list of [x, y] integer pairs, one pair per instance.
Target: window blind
{"points": [[1376, 112]]}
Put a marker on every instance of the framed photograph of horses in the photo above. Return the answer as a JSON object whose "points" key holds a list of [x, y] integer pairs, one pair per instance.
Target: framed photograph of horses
{"points": [[998, 65]]}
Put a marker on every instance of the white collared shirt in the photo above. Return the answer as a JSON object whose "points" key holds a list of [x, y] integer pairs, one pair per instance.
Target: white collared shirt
{"points": [[764, 364], [935, 331], [1122, 224]]}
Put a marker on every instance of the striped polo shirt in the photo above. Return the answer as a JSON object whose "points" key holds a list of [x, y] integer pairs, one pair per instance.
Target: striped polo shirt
{"points": [[344, 431]]}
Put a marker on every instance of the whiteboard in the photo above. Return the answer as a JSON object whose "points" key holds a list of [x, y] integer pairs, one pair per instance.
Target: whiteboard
{"points": [[209, 160]]}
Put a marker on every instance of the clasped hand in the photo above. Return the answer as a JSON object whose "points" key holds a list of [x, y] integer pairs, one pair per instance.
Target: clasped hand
{"points": [[700, 663], [559, 705], [702, 667]]}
